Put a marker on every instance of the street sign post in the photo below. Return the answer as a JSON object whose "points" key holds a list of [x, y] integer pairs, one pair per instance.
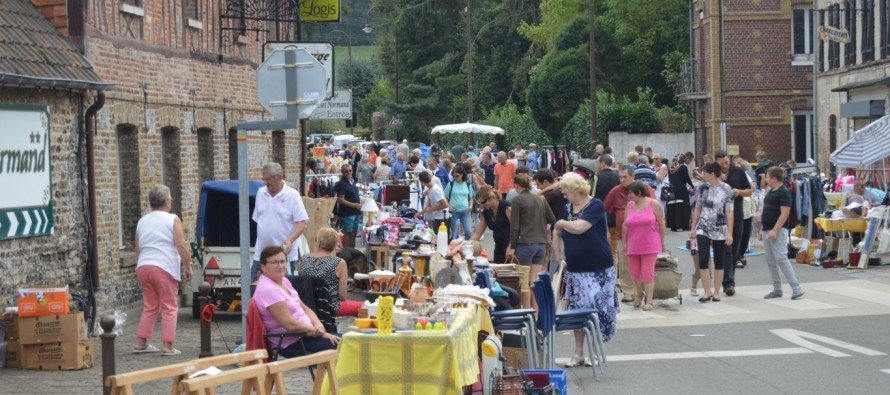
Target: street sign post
{"points": [[322, 51], [285, 84], [290, 85]]}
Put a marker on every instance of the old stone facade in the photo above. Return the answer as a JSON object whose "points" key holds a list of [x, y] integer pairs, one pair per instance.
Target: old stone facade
{"points": [[751, 75], [181, 86], [59, 258], [852, 74], [171, 119]]}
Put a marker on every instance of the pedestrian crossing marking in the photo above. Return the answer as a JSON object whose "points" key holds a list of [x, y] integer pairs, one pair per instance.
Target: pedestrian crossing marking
{"points": [[866, 295], [804, 304], [822, 300], [717, 308]]}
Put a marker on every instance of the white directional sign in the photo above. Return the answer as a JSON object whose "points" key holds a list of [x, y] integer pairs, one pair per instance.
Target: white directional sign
{"points": [[26, 207], [272, 80], [337, 107]]}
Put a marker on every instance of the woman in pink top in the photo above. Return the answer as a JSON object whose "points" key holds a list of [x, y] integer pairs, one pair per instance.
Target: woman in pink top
{"points": [[280, 308], [643, 238]]}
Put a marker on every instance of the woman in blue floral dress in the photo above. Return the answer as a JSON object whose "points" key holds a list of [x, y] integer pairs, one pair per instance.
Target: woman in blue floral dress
{"points": [[589, 276]]}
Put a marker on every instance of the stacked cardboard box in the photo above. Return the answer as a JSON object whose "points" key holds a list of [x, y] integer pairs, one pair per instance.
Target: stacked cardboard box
{"points": [[10, 326], [54, 342]]}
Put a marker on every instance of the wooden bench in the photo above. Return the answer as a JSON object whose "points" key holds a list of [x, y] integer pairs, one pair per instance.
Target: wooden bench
{"points": [[324, 362], [123, 383], [251, 377]]}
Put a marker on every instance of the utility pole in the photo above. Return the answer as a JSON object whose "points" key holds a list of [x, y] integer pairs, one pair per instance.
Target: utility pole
{"points": [[470, 66], [592, 6]]}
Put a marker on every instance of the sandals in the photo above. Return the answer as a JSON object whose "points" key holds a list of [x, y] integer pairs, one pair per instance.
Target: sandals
{"points": [[693, 291], [705, 299], [171, 353], [148, 349], [637, 303], [575, 361], [648, 307]]}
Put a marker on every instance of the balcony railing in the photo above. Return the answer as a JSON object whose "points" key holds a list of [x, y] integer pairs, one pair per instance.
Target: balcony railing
{"points": [[692, 80]]}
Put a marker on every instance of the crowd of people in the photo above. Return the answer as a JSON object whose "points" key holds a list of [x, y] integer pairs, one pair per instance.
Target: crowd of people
{"points": [[605, 226]]}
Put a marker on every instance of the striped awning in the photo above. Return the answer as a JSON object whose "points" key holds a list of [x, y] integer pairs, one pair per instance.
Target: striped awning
{"points": [[868, 145]]}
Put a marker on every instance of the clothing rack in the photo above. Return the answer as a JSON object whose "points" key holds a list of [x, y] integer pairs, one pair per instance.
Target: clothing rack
{"points": [[805, 172]]}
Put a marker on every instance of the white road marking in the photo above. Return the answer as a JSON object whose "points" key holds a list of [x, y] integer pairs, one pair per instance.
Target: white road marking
{"points": [[797, 337], [792, 335], [716, 308], [802, 304], [859, 293], [709, 354], [886, 371]]}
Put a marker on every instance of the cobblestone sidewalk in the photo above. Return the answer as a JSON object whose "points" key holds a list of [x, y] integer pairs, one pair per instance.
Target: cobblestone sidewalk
{"points": [[225, 331]]}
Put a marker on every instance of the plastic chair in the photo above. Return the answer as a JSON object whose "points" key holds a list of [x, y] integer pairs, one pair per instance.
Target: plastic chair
{"points": [[522, 320], [572, 319], [546, 322]]}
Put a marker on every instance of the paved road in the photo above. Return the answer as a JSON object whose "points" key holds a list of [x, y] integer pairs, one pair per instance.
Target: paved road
{"points": [[831, 341]]}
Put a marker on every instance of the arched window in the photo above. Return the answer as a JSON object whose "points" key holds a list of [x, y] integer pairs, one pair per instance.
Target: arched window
{"points": [[171, 152], [128, 183], [278, 148], [205, 154], [233, 153]]}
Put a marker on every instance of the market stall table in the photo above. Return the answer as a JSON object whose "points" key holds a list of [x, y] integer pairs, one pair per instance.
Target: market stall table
{"points": [[413, 362], [857, 225]]}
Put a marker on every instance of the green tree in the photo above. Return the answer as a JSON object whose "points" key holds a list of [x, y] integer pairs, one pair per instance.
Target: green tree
{"points": [[559, 85]]}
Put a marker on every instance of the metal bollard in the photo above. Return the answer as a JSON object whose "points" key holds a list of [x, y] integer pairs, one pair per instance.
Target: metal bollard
{"points": [[107, 324], [203, 301]]}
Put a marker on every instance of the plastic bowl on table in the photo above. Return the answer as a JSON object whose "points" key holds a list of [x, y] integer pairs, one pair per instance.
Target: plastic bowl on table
{"points": [[364, 323]]}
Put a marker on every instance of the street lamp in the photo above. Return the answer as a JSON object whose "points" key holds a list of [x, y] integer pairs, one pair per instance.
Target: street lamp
{"points": [[349, 55], [368, 29]]}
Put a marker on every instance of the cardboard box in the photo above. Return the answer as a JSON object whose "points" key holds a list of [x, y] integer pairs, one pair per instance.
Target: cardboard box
{"points": [[52, 329], [13, 354], [10, 324], [58, 356], [37, 301]]}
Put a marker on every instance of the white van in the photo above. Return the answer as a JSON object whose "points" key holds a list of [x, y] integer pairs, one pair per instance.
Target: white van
{"points": [[341, 139]]}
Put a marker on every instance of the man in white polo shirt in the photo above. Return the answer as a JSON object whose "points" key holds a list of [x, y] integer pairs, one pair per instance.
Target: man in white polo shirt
{"points": [[280, 216]]}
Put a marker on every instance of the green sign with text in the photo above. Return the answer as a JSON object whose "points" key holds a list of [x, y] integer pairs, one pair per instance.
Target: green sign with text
{"points": [[26, 207]]}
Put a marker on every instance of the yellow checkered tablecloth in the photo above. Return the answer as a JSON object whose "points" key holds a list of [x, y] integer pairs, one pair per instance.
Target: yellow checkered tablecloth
{"points": [[857, 225], [412, 362]]}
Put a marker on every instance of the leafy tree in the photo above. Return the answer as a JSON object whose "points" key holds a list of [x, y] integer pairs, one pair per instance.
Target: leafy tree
{"points": [[557, 88], [376, 99], [364, 77]]}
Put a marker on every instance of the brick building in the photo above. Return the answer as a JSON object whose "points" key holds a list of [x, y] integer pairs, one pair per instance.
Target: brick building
{"points": [[852, 83], [183, 75], [749, 80]]}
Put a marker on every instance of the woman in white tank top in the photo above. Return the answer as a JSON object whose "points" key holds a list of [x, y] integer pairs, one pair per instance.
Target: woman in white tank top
{"points": [[163, 260]]}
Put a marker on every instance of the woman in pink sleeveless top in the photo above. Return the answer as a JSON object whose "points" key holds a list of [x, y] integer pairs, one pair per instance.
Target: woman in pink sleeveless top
{"points": [[642, 238]]}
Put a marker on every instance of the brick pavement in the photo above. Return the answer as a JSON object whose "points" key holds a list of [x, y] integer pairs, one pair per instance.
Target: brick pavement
{"points": [[225, 331]]}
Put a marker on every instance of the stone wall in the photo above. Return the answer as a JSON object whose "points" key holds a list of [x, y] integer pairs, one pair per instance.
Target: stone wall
{"points": [[666, 144], [60, 258]]}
